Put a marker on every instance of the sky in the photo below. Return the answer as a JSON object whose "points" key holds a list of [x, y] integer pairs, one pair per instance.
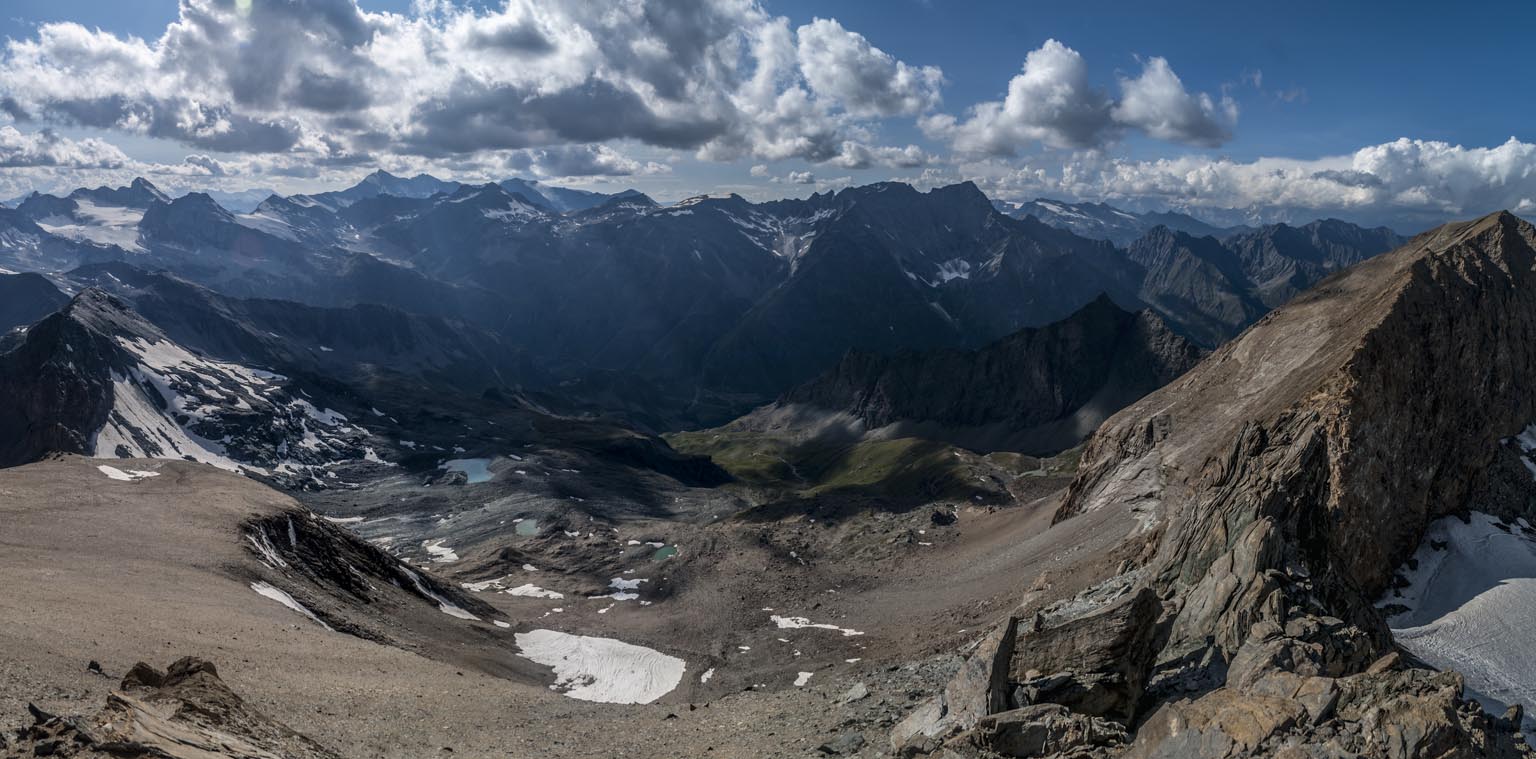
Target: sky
{"points": [[1376, 113]]}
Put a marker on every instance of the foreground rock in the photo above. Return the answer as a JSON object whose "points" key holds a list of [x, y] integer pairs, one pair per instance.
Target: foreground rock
{"points": [[185, 711], [1280, 482]]}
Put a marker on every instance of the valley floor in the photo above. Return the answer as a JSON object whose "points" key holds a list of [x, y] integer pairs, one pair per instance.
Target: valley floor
{"points": [[116, 571]]}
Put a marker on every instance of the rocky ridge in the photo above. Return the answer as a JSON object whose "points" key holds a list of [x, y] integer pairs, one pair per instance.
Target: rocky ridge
{"points": [[96, 378], [1039, 390], [1280, 483]]}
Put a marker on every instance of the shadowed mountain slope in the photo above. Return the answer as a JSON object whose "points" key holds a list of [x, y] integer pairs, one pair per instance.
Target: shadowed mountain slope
{"points": [[1039, 390]]}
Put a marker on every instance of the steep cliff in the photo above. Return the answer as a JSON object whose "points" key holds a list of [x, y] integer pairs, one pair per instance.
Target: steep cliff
{"points": [[1281, 482]]}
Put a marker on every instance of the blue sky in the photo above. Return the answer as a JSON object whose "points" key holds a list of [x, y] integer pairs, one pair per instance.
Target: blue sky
{"points": [[1371, 72], [1185, 104]]}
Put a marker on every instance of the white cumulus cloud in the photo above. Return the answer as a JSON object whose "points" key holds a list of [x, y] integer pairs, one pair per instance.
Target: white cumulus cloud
{"points": [[1052, 102], [1157, 103], [842, 65]]}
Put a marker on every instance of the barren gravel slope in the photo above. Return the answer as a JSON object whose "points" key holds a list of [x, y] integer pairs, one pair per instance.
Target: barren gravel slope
{"points": [[115, 571]]}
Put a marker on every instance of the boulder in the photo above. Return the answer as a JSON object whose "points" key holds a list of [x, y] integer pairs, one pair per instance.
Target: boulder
{"points": [[1040, 730], [1096, 663], [976, 691]]}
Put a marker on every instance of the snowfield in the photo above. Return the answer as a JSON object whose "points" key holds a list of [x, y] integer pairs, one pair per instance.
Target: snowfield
{"points": [[1471, 607], [100, 224], [602, 669], [162, 404]]}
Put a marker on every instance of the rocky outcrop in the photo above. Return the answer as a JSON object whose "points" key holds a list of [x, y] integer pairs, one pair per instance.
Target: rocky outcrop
{"points": [[185, 711], [1284, 479], [1043, 730], [1097, 662], [56, 381], [334, 574], [979, 689], [1388, 713], [1040, 390]]}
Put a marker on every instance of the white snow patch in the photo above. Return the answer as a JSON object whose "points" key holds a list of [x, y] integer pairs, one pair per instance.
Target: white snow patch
{"points": [[104, 225], [276, 594], [500, 585], [481, 587], [443, 604], [132, 475], [1471, 606], [530, 590], [132, 410], [602, 669], [803, 678], [623, 589], [440, 553], [708, 673], [954, 268], [796, 623]]}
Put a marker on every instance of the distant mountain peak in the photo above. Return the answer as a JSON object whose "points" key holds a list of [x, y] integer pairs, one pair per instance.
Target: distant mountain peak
{"points": [[144, 185], [381, 182], [198, 201], [140, 193], [1099, 220]]}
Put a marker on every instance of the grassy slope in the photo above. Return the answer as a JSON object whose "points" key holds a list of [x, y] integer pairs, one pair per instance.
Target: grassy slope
{"points": [[894, 474]]}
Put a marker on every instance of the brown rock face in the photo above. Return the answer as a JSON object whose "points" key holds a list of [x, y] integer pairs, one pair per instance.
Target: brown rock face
{"points": [[1285, 478], [1317, 447], [1096, 664]]}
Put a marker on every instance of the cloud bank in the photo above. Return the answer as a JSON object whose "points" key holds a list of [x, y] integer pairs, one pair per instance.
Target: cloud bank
{"points": [[326, 79], [302, 92], [47, 149], [1405, 181]]}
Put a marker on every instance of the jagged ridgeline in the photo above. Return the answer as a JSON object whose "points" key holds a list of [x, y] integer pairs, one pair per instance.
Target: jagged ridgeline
{"points": [[992, 487], [759, 297], [1279, 485]]}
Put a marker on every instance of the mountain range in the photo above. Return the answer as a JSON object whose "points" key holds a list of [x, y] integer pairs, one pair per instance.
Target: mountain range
{"points": [[715, 302], [876, 471], [1105, 222]]}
